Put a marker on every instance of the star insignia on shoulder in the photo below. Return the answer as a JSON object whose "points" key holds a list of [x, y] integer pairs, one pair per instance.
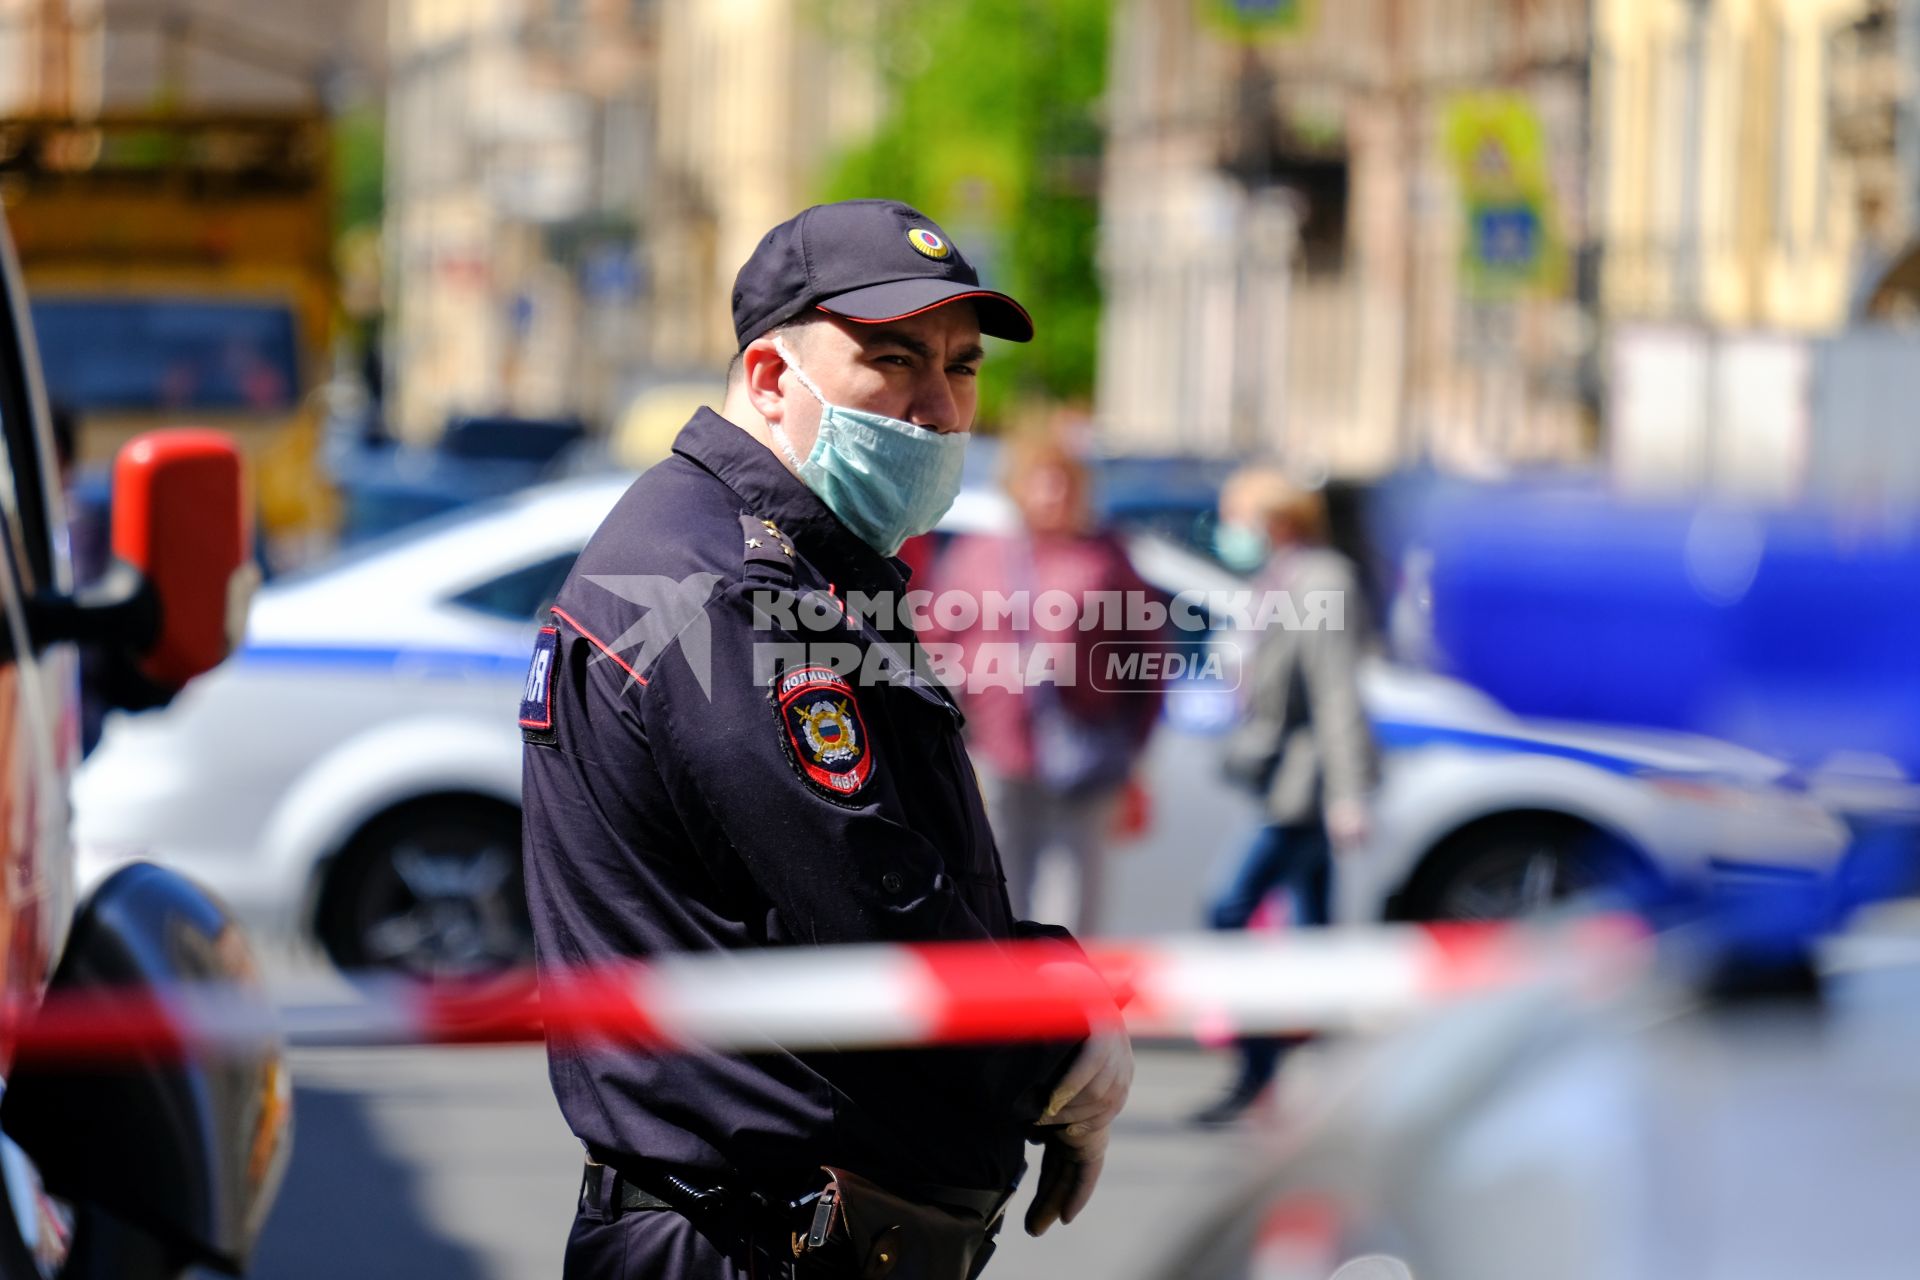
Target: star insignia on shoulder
{"points": [[753, 542], [784, 547]]}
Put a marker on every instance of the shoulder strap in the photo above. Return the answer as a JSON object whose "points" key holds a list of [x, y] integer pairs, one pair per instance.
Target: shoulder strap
{"points": [[763, 543]]}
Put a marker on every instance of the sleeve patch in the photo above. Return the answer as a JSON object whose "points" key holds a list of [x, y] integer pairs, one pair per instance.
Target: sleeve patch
{"points": [[536, 695], [826, 735]]}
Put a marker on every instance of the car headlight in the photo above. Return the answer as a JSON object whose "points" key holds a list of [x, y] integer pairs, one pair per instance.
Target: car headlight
{"points": [[1751, 806], [1712, 792]]}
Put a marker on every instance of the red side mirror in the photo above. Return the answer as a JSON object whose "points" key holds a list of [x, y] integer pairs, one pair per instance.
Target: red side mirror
{"points": [[180, 518]]}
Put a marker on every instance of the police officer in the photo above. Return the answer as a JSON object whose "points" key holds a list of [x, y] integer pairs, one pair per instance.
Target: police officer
{"points": [[705, 771]]}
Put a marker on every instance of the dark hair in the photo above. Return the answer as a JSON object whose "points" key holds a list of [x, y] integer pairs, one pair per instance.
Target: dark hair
{"points": [[733, 365]]}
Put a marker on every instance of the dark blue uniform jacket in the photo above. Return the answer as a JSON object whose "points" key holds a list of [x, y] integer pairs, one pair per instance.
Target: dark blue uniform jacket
{"points": [[679, 799]]}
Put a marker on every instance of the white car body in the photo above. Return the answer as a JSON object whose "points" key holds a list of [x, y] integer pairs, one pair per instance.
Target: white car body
{"points": [[368, 684], [1695, 808], [359, 687]]}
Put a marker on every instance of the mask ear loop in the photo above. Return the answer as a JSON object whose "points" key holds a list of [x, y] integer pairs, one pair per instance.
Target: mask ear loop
{"points": [[780, 345], [779, 432]]}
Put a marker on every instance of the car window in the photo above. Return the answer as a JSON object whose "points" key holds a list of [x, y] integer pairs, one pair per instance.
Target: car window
{"points": [[520, 595]]}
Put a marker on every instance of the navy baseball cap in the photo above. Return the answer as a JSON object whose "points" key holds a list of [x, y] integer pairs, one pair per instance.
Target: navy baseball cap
{"points": [[867, 261]]}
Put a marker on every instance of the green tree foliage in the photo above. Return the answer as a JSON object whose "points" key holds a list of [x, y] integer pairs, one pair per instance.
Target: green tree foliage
{"points": [[992, 128], [359, 167]]}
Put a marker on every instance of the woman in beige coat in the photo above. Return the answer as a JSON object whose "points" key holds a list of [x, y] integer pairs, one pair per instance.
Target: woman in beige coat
{"points": [[1303, 742]]}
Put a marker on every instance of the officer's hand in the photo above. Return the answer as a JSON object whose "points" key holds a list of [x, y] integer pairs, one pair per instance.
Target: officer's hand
{"points": [[1076, 1125], [1069, 1169], [1096, 1085]]}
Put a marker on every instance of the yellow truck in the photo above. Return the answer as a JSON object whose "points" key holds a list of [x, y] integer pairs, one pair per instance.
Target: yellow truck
{"points": [[181, 271]]}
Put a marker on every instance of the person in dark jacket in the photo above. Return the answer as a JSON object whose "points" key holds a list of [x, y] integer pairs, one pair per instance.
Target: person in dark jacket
{"points": [[708, 767]]}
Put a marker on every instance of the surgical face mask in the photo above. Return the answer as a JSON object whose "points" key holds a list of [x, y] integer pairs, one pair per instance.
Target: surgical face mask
{"points": [[1241, 549], [886, 479]]}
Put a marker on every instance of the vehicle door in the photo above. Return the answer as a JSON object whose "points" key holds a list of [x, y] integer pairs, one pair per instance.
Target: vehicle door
{"points": [[39, 693]]}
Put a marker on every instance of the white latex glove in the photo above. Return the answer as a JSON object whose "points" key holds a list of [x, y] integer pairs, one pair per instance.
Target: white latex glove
{"points": [[1075, 1128], [1069, 1170], [1096, 1085]]}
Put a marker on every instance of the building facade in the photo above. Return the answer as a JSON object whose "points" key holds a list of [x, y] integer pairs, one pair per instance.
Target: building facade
{"points": [[755, 97], [1286, 245], [489, 164], [1747, 168], [1756, 173], [573, 183], [79, 57]]}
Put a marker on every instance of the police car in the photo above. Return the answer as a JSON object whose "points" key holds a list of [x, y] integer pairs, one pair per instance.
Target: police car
{"points": [[353, 775]]}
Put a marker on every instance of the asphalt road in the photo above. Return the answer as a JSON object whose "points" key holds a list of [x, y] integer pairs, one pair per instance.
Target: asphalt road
{"points": [[455, 1164]]}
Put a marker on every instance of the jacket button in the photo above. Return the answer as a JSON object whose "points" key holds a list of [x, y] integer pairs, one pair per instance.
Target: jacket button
{"points": [[890, 882]]}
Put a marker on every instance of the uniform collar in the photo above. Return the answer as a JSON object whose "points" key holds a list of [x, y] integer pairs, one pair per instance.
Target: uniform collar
{"points": [[771, 492]]}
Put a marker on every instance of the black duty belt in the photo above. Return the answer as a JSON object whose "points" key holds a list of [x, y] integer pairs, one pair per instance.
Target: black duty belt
{"points": [[622, 1195], [659, 1189], [606, 1188]]}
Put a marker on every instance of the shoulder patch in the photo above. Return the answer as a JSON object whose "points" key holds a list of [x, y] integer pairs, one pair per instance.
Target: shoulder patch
{"points": [[536, 695], [826, 738]]}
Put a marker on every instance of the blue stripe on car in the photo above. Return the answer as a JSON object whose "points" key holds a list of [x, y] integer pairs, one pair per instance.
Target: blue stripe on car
{"points": [[1396, 735], [375, 659], [1392, 735]]}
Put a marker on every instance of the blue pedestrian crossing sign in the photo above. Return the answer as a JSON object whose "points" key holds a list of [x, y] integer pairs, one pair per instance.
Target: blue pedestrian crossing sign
{"points": [[1509, 238]]}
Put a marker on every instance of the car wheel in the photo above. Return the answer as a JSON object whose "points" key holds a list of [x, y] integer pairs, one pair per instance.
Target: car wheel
{"points": [[432, 890], [1504, 869]]}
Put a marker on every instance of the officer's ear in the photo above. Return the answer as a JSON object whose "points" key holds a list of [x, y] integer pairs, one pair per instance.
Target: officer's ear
{"points": [[761, 365]]}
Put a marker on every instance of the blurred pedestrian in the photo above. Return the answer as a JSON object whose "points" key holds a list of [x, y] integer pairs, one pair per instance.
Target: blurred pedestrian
{"points": [[703, 773], [1055, 757], [1303, 744]]}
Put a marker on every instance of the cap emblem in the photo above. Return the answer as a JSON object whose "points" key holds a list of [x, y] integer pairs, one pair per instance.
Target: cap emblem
{"points": [[929, 244]]}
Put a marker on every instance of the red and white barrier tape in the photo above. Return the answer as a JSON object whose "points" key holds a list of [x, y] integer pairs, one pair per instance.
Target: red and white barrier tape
{"points": [[824, 999]]}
